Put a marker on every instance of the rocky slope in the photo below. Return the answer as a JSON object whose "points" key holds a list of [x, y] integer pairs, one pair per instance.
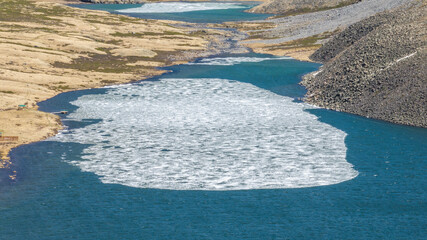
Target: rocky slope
{"points": [[299, 6], [307, 32], [376, 68]]}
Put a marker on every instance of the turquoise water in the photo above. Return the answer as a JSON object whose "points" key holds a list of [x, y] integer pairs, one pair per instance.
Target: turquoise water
{"points": [[85, 184], [53, 198], [200, 16]]}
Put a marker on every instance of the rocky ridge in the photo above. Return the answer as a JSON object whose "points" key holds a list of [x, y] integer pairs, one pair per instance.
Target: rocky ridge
{"points": [[376, 68], [299, 6]]}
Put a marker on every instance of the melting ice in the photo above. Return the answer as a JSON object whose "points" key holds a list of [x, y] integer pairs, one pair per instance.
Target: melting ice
{"points": [[229, 61], [206, 134], [174, 7]]}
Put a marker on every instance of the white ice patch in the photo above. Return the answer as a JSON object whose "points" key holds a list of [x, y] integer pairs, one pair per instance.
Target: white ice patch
{"points": [[206, 134], [228, 61], [174, 7]]}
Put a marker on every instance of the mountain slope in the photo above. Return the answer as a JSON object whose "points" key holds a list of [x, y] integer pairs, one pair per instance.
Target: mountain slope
{"points": [[376, 68], [299, 6]]}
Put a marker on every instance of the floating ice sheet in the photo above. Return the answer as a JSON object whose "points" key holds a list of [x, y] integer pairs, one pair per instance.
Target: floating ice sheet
{"points": [[174, 7], [206, 134], [228, 61]]}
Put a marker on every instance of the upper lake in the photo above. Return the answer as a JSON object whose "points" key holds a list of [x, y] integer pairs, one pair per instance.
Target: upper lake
{"points": [[197, 12]]}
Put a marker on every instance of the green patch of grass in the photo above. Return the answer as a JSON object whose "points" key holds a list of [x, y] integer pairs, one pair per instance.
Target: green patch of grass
{"points": [[187, 45], [114, 42], [172, 33], [12, 10], [245, 26], [144, 34], [104, 20], [129, 19], [94, 21], [259, 35], [307, 42], [30, 46], [97, 19], [108, 81], [44, 29], [310, 10], [13, 28], [176, 37], [53, 11], [27, 11], [19, 28], [102, 63], [60, 88], [35, 51], [102, 49], [134, 34], [109, 63], [8, 92]]}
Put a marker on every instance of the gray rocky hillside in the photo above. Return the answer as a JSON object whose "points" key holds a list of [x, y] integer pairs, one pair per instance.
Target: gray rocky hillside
{"points": [[299, 6], [300, 26], [376, 68]]}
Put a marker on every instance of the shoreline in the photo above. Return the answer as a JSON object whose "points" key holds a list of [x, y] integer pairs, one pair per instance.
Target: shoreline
{"points": [[59, 62], [84, 53], [76, 68]]}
